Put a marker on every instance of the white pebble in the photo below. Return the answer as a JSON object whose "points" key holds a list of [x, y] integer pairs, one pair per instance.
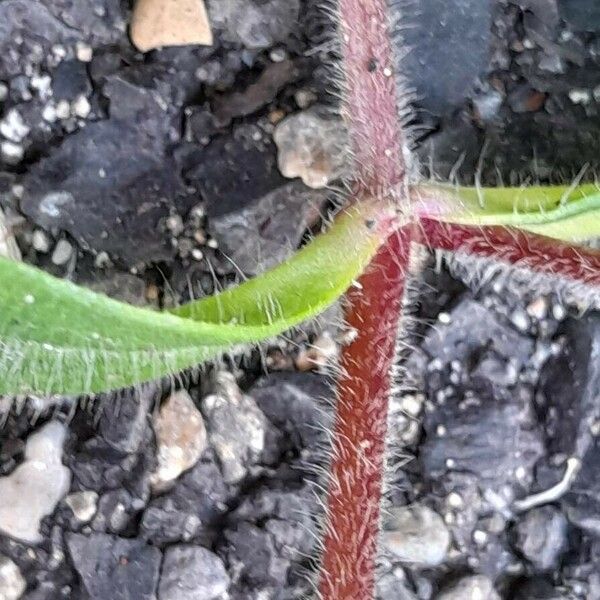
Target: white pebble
{"points": [[62, 253], [84, 52], [579, 96], [83, 504], [40, 241], [520, 320], [12, 153], [12, 583], [81, 107], [63, 109], [42, 84], [480, 537], [41, 479], [13, 128], [49, 113]]}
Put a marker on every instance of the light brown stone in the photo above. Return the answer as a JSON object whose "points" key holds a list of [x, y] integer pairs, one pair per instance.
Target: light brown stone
{"points": [[180, 438], [158, 23]]}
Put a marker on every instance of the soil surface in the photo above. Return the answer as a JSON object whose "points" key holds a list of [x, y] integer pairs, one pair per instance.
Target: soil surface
{"points": [[157, 177]]}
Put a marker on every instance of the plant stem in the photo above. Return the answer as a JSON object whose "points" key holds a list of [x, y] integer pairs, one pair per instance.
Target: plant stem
{"points": [[370, 99], [538, 253], [373, 308], [353, 504]]}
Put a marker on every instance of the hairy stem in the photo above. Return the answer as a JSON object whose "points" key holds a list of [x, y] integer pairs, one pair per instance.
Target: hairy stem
{"points": [[370, 101], [524, 249], [373, 310]]}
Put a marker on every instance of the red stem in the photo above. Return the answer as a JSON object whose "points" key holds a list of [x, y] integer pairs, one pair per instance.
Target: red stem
{"points": [[373, 310], [538, 253]]}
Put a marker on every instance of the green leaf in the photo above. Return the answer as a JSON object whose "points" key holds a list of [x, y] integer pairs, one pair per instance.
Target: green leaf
{"points": [[58, 338], [565, 213]]}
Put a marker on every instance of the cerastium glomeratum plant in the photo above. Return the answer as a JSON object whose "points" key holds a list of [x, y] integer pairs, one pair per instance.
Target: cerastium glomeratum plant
{"points": [[57, 338]]}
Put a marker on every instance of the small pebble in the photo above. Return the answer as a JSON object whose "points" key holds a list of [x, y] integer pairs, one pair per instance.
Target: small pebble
{"points": [[49, 113], [159, 23], [41, 479], [12, 582], [559, 312], [102, 260], [416, 534], [83, 504], [278, 55], [12, 153], [81, 107], [579, 96], [40, 241], [180, 436], [304, 98], [538, 308], [62, 252], [12, 126], [175, 224], [63, 110], [520, 320], [311, 147], [84, 52]]}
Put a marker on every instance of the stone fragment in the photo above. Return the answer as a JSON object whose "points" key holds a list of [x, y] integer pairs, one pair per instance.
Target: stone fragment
{"points": [[40, 241], [236, 428], [116, 510], [109, 185], [115, 568], [269, 532], [124, 421], [191, 573], [159, 23], [256, 24], [542, 537], [190, 510], [235, 171], [416, 535], [12, 126], [266, 232], [297, 404], [62, 252], [83, 504], [12, 582], [497, 439], [475, 587], [70, 80], [42, 480], [180, 437], [44, 29], [312, 148]]}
